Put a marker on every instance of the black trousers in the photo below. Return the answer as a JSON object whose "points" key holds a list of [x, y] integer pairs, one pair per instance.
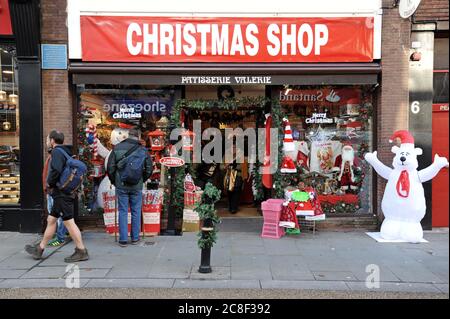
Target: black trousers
{"points": [[233, 200]]}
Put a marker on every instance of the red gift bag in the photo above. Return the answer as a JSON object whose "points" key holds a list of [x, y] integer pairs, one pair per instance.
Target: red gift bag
{"points": [[109, 212], [151, 211]]}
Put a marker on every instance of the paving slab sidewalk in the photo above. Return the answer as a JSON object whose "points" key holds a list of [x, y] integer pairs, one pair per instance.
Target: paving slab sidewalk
{"points": [[341, 261]]}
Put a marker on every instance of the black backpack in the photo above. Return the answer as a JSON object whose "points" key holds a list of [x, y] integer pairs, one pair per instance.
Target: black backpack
{"points": [[131, 165]]}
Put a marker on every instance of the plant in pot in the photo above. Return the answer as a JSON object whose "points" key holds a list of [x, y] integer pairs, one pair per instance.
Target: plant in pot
{"points": [[208, 216]]}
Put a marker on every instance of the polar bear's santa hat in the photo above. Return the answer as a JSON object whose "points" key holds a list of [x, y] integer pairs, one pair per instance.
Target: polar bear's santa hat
{"points": [[405, 137]]}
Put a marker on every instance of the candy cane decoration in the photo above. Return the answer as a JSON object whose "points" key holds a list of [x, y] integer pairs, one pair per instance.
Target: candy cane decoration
{"points": [[91, 134]]}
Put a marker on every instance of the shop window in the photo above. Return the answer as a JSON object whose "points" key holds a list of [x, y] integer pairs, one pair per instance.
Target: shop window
{"points": [[107, 112], [440, 86], [9, 129], [440, 75], [332, 128]]}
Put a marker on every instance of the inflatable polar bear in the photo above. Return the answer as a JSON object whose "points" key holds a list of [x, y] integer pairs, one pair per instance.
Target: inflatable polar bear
{"points": [[403, 202], [117, 135]]}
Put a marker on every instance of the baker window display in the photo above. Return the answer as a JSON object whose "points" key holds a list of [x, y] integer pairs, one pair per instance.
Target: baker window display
{"points": [[403, 202]]}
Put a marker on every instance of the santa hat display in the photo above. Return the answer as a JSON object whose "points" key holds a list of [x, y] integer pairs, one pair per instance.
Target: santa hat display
{"points": [[304, 208], [288, 218], [406, 139], [314, 201], [288, 141], [287, 165]]}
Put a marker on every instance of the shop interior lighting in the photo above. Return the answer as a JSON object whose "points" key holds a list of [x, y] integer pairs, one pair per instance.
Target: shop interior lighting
{"points": [[13, 98], [8, 72]]}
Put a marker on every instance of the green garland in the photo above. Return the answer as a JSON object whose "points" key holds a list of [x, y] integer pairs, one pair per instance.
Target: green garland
{"points": [[226, 104], [257, 178], [257, 181], [340, 208], [277, 121], [85, 155], [207, 212]]}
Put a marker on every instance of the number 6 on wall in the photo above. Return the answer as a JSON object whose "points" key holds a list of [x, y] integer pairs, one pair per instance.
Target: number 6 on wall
{"points": [[415, 107]]}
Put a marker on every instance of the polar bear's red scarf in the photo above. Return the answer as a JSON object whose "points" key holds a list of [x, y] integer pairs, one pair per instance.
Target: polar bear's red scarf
{"points": [[403, 184]]}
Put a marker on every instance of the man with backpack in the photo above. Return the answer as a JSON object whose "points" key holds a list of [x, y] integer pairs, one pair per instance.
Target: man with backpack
{"points": [[61, 231], [129, 166], [64, 177]]}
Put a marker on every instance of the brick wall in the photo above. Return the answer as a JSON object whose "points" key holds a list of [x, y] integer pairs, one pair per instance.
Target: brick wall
{"points": [[394, 95], [432, 10], [56, 98]]}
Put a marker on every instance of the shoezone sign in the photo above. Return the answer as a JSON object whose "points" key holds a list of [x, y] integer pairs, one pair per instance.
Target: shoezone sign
{"points": [[172, 161], [227, 39]]}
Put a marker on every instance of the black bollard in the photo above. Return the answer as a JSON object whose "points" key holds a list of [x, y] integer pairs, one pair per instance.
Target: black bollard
{"points": [[205, 262]]}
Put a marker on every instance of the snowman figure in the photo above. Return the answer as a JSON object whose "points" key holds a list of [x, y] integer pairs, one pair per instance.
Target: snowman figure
{"points": [[403, 202], [117, 135]]}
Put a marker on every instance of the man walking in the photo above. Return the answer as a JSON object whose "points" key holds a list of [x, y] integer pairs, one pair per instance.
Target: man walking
{"points": [[129, 166], [61, 231], [63, 204]]}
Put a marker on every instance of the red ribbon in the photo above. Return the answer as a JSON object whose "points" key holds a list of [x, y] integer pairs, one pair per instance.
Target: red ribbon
{"points": [[403, 184]]}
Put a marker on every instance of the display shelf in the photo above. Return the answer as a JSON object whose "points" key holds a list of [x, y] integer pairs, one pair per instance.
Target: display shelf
{"points": [[10, 179], [9, 133], [9, 175], [9, 192], [9, 201]]}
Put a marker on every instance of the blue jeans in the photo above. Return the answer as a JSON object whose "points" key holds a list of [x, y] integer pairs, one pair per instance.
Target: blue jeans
{"points": [[61, 230], [132, 199]]}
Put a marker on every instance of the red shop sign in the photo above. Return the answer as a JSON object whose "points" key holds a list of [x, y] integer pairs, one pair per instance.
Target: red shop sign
{"points": [[226, 39], [5, 19], [172, 161], [440, 107]]}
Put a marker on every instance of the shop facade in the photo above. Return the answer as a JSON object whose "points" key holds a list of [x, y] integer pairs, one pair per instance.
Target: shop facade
{"points": [[21, 198], [326, 82], [304, 74]]}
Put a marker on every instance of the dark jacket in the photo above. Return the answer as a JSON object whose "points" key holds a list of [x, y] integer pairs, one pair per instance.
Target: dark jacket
{"points": [[118, 152], [57, 163]]}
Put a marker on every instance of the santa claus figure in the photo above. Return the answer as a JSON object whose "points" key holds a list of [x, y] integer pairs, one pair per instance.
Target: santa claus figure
{"points": [[346, 164]]}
